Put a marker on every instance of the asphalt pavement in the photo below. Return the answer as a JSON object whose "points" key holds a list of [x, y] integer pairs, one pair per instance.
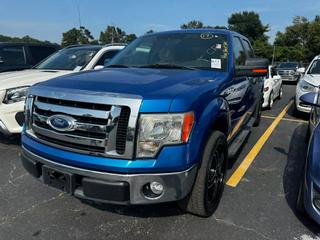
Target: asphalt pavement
{"points": [[260, 206]]}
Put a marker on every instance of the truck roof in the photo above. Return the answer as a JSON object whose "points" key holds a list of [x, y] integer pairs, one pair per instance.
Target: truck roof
{"points": [[201, 30]]}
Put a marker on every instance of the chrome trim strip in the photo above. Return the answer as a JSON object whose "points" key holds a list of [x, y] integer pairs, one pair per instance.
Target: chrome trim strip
{"points": [[70, 138], [81, 112]]}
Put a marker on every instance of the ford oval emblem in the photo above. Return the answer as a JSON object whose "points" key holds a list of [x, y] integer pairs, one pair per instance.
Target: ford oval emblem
{"points": [[61, 123]]}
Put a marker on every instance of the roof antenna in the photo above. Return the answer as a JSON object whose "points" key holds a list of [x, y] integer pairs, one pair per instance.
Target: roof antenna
{"points": [[79, 14]]}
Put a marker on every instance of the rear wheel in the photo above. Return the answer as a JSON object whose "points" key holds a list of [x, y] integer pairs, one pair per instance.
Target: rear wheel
{"points": [[280, 92], [209, 184], [270, 102]]}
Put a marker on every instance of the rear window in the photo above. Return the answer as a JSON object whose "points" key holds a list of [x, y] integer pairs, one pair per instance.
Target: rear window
{"points": [[12, 56], [39, 53]]}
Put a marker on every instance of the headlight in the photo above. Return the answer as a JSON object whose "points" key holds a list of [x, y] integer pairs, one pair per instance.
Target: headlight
{"points": [[157, 130], [28, 112], [306, 87], [15, 95]]}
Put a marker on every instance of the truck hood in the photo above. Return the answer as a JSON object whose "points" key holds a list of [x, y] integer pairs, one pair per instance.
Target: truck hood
{"points": [[148, 83], [313, 79], [151, 85], [27, 77]]}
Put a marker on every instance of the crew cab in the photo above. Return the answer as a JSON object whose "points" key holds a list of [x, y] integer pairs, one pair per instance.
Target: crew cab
{"points": [[158, 124], [19, 56], [289, 71], [14, 85]]}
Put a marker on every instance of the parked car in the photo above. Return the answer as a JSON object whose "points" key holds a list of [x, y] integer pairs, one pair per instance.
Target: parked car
{"points": [[14, 85], [289, 71], [19, 56], [157, 125], [272, 88], [309, 192], [308, 83]]}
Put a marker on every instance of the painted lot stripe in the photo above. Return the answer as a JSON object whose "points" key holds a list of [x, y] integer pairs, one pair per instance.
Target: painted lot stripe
{"points": [[241, 170], [287, 119]]}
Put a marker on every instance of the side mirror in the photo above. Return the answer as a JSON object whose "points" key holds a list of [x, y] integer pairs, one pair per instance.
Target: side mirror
{"points": [[301, 70], [254, 67], [98, 67], [310, 99]]}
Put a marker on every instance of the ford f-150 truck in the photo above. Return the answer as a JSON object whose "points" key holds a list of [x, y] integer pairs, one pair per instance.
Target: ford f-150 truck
{"points": [[157, 125]]}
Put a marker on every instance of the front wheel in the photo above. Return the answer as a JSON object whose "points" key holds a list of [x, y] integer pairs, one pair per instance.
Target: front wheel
{"points": [[280, 92], [209, 184], [270, 102]]}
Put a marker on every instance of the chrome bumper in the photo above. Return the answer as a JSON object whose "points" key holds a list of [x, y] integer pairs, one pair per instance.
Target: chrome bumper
{"points": [[176, 185]]}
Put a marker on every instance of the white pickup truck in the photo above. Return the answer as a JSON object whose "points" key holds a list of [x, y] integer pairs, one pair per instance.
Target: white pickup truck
{"points": [[14, 85]]}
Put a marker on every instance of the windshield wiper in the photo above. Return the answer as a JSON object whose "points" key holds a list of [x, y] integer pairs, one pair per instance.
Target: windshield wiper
{"points": [[167, 65], [117, 66]]}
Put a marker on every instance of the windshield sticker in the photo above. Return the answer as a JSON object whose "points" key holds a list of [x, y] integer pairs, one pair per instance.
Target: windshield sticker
{"points": [[216, 63], [206, 36]]}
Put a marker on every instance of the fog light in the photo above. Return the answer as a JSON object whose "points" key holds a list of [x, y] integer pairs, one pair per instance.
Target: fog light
{"points": [[153, 190], [156, 188]]}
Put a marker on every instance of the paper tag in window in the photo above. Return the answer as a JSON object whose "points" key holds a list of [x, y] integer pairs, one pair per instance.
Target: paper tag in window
{"points": [[216, 63]]}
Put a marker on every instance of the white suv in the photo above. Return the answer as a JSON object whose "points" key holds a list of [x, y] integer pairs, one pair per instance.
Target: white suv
{"points": [[309, 82], [14, 85]]}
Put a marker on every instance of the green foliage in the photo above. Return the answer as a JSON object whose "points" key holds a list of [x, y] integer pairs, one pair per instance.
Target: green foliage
{"points": [[249, 25], [263, 49], [77, 36], [114, 34], [194, 24], [25, 39], [300, 41]]}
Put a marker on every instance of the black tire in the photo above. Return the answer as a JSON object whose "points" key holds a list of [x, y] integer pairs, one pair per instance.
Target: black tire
{"points": [[270, 101], [280, 92], [209, 184], [257, 114]]}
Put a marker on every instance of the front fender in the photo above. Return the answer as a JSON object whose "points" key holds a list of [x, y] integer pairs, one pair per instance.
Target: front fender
{"points": [[216, 110]]}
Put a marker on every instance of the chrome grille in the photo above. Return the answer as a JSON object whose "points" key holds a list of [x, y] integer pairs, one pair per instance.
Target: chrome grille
{"points": [[99, 129]]}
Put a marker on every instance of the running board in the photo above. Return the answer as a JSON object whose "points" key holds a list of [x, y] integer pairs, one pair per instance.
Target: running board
{"points": [[237, 143]]}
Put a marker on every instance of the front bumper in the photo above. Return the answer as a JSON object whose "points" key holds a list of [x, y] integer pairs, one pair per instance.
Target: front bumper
{"points": [[115, 188], [299, 105], [11, 118]]}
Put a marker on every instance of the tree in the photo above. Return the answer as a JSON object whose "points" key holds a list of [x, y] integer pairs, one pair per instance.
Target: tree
{"points": [[192, 25], [300, 41], [112, 35], [150, 31], [76, 36], [129, 38], [25, 39], [263, 49], [249, 25]]}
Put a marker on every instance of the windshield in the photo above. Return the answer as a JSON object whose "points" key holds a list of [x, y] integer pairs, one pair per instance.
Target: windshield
{"points": [[69, 59], [315, 67], [288, 65], [176, 50]]}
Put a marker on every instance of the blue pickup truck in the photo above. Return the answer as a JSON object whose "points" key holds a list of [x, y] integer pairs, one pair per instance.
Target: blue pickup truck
{"points": [[158, 124]]}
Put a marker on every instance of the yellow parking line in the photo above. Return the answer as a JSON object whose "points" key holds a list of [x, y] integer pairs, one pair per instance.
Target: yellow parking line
{"points": [[241, 170], [286, 119]]}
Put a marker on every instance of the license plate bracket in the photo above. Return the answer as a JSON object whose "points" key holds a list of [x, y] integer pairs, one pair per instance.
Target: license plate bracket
{"points": [[57, 179]]}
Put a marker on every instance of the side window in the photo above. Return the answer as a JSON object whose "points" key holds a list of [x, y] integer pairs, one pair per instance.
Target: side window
{"points": [[107, 55], [239, 52], [39, 53], [12, 56], [248, 48]]}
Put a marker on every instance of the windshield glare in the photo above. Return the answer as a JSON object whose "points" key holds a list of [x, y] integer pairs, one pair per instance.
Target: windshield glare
{"points": [[288, 65], [207, 51], [69, 59], [315, 67]]}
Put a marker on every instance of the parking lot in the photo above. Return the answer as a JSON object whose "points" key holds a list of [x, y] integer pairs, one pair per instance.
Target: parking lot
{"points": [[260, 206]]}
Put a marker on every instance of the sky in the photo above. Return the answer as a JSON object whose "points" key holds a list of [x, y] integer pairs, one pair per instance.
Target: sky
{"points": [[48, 19]]}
